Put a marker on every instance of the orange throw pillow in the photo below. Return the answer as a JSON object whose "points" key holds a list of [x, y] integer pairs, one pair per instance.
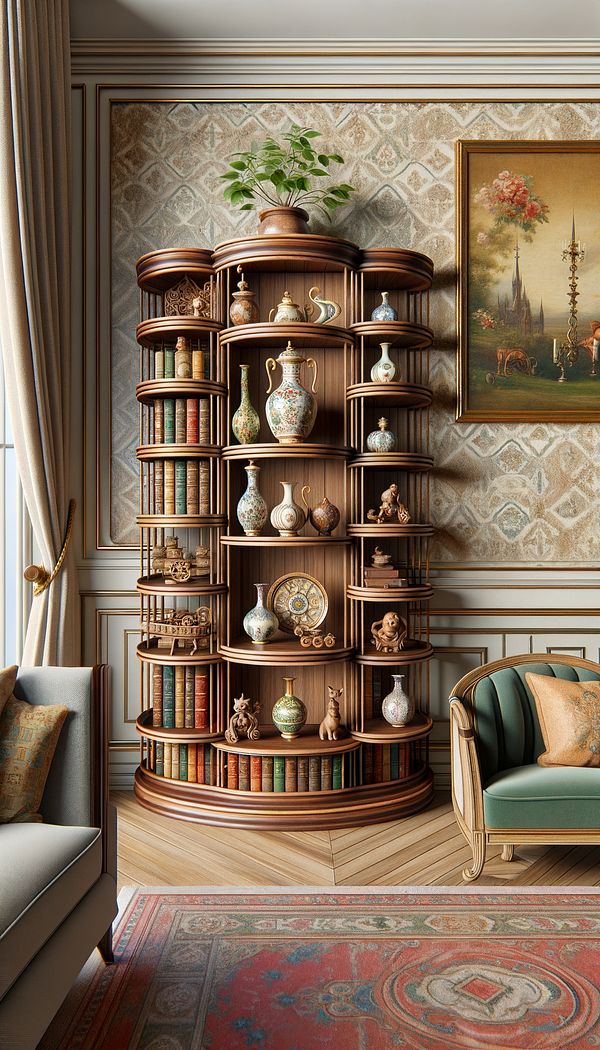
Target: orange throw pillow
{"points": [[569, 714], [28, 739]]}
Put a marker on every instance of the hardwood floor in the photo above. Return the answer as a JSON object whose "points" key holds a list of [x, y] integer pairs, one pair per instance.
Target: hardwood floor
{"points": [[424, 850]]}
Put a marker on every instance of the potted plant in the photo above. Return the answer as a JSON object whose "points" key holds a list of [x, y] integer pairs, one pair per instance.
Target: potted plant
{"points": [[285, 176]]}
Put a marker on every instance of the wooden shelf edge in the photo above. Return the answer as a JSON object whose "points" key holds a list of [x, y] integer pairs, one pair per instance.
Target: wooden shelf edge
{"points": [[291, 656], [145, 452], [168, 735], [154, 655], [151, 389], [285, 541], [373, 530], [406, 656], [300, 333], [306, 743], [154, 329], [420, 593], [378, 731], [277, 450]]}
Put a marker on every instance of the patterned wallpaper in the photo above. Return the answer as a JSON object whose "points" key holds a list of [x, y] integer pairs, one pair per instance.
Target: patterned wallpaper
{"points": [[501, 493]]}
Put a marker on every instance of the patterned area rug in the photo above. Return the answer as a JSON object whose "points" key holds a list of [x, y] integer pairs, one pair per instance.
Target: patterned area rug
{"points": [[356, 971]]}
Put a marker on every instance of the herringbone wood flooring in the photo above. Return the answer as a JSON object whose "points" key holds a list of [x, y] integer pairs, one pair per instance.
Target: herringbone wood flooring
{"points": [[424, 850]]}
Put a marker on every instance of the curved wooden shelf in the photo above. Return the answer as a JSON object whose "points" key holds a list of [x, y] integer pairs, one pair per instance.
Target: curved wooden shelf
{"points": [[277, 450], [153, 655], [157, 271], [405, 395], [143, 725], [419, 652], [285, 811], [157, 585], [404, 335], [302, 334], [145, 452], [299, 253], [400, 268], [282, 652], [415, 593], [378, 731], [306, 743], [409, 461], [185, 521], [371, 530], [167, 329], [151, 389], [285, 541]]}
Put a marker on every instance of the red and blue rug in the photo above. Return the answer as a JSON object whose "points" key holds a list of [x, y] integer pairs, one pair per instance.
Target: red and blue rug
{"points": [[355, 971]]}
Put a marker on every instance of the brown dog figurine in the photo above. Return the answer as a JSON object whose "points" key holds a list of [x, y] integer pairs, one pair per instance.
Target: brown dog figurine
{"points": [[331, 726]]}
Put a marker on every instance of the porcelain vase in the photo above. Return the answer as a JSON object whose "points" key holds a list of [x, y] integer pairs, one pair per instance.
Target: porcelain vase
{"points": [[384, 370], [244, 308], [252, 510], [291, 410], [260, 623], [287, 517], [246, 422], [397, 708], [384, 312], [289, 712], [382, 440]]}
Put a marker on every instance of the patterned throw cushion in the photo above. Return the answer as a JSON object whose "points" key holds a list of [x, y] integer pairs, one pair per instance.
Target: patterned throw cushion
{"points": [[28, 739], [569, 714]]}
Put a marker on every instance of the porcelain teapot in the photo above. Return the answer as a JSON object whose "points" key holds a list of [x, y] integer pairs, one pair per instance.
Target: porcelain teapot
{"points": [[287, 311]]}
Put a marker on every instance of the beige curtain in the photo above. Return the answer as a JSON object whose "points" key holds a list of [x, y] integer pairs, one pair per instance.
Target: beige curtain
{"points": [[35, 297]]}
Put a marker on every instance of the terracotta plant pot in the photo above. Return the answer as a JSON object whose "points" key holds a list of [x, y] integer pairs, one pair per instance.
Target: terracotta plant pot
{"points": [[282, 221]]}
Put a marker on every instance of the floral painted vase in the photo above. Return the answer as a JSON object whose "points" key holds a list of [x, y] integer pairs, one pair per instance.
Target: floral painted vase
{"points": [[384, 370], [252, 510], [244, 308], [289, 712], [245, 423], [287, 517], [385, 312], [397, 708], [291, 410], [260, 623], [382, 440]]}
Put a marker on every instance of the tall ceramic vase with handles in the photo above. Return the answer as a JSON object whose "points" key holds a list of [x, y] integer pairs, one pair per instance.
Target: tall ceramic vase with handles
{"points": [[291, 410]]}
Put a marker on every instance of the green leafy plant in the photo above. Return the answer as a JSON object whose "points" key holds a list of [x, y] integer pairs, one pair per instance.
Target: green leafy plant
{"points": [[284, 175]]}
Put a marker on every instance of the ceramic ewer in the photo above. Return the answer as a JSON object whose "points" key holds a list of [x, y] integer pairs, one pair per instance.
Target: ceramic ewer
{"points": [[260, 623], [291, 410], [324, 516], [327, 310], [246, 422], [287, 517], [252, 510], [384, 370], [289, 712], [397, 708], [382, 440], [244, 308], [384, 312], [287, 311]]}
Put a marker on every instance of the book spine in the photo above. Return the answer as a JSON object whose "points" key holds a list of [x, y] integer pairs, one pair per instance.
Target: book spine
{"points": [[160, 759], [200, 765], [200, 699], [314, 773], [191, 421], [404, 760], [386, 775], [169, 421], [159, 487], [377, 763], [204, 422], [189, 697], [367, 750], [167, 760], [203, 488], [168, 698], [159, 364], [197, 364], [180, 421], [279, 773], [302, 772], [175, 761], [255, 773], [183, 364], [233, 772], [326, 773], [394, 762], [157, 695], [183, 761], [169, 470], [192, 769], [191, 486], [179, 697], [336, 772], [180, 492], [151, 756], [291, 774], [244, 772], [210, 770], [267, 773], [169, 363], [159, 422]]}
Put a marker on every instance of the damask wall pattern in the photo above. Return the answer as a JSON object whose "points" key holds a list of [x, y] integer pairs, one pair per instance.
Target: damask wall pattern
{"points": [[501, 493]]}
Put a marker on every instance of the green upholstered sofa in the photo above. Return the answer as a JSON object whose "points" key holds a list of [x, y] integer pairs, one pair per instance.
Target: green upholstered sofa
{"points": [[58, 894], [499, 793]]}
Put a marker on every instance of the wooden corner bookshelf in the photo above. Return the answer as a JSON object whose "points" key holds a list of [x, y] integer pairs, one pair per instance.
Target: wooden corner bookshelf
{"points": [[199, 568]]}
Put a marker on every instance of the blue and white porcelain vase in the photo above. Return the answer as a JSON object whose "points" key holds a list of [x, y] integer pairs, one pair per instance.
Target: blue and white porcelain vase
{"points": [[384, 370], [382, 440], [385, 312], [397, 708], [291, 410], [252, 510], [260, 623]]}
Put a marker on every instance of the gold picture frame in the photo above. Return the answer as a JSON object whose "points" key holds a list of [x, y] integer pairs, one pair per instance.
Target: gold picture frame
{"points": [[528, 302]]}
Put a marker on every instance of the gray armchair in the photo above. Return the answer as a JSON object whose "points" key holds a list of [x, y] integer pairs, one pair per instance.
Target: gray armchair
{"points": [[58, 892]]}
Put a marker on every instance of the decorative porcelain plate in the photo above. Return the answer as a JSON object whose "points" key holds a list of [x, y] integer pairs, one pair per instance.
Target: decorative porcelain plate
{"points": [[298, 599]]}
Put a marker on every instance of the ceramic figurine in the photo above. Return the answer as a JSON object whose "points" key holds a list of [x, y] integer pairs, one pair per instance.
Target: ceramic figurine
{"points": [[384, 370], [287, 311], [389, 633], [325, 517], [244, 720], [327, 309], [289, 712], [382, 440], [390, 509], [384, 312], [252, 510], [287, 517], [379, 559], [331, 727], [260, 623], [291, 410], [397, 708], [245, 423], [244, 308]]}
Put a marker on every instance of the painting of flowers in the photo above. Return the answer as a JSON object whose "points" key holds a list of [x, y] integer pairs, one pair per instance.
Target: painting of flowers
{"points": [[529, 281]]}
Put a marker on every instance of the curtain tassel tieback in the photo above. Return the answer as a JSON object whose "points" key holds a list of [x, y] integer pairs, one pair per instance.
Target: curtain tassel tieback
{"points": [[40, 576]]}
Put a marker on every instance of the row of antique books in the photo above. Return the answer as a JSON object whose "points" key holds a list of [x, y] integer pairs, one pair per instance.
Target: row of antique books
{"points": [[179, 697], [170, 363], [195, 763], [383, 762], [181, 486], [182, 421]]}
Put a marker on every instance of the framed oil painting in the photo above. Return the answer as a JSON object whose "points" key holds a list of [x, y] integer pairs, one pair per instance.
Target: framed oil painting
{"points": [[529, 281]]}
